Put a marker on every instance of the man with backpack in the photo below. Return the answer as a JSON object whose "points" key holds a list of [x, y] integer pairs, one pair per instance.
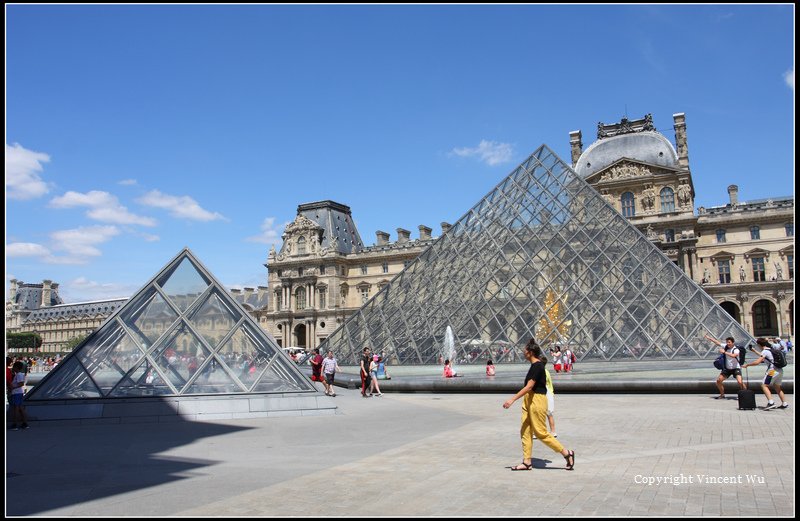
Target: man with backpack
{"points": [[733, 357], [776, 361]]}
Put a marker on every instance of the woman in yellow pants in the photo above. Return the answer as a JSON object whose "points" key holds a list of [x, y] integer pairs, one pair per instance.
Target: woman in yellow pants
{"points": [[534, 410]]}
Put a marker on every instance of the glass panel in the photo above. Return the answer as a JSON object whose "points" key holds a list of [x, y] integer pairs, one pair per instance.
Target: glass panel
{"points": [[183, 284], [180, 356], [143, 381], [214, 318], [148, 318], [213, 379], [70, 381], [108, 355], [278, 378]]}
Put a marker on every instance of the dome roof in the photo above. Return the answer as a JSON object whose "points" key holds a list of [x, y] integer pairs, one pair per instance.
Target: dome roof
{"points": [[649, 147]]}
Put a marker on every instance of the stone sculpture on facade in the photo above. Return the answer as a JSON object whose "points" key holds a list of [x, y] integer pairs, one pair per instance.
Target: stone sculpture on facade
{"points": [[742, 274], [684, 195], [649, 198], [778, 271]]}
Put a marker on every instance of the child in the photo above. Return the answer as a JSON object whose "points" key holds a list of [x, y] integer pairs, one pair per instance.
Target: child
{"points": [[17, 393], [448, 371], [489, 368]]}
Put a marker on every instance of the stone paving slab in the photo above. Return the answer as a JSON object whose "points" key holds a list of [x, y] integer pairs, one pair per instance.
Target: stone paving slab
{"points": [[418, 455]]}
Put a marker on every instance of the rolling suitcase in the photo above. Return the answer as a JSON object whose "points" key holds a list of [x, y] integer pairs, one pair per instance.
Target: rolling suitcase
{"points": [[747, 398]]}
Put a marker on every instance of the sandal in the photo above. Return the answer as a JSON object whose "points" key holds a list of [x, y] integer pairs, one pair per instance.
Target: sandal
{"points": [[570, 460], [525, 466]]}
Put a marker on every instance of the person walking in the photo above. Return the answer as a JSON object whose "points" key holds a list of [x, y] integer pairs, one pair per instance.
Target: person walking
{"points": [[364, 371], [551, 402], [329, 368], [534, 410], [732, 366], [375, 389], [773, 376], [17, 394], [383, 374]]}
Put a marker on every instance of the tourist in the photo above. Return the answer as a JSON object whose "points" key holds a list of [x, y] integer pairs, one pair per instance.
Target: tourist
{"points": [[375, 389], [382, 373], [774, 375], [316, 367], [567, 360], [557, 358], [448, 370], [329, 368], [732, 366], [534, 410], [364, 372], [17, 394], [489, 368]]}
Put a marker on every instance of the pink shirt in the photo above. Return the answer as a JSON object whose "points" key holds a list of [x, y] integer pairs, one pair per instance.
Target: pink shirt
{"points": [[448, 371]]}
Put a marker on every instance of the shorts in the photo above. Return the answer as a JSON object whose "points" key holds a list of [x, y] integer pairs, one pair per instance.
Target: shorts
{"points": [[551, 403], [557, 367], [773, 377], [329, 378], [316, 378], [731, 372], [16, 399]]}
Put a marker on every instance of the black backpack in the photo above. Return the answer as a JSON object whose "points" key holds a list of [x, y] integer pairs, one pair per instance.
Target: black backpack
{"points": [[742, 354], [779, 359]]}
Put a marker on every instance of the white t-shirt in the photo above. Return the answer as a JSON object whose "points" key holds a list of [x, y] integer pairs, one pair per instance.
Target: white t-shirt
{"points": [[18, 378], [732, 362], [567, 357], [769, 359]]}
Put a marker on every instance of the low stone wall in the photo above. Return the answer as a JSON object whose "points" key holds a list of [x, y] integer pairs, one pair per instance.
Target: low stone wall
{"points": [[183, 408]]}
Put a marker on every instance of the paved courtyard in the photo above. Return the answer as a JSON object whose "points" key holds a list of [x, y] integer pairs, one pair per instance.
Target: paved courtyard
{"points": [[418, 455]]}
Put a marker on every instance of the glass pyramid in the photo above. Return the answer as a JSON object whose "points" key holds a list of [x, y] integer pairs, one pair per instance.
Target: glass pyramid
{"points": [[542, 256], [180, 335]]}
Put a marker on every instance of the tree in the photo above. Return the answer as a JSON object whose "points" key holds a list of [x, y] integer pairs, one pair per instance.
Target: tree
{"points": [[23, 341], [73, 342]]}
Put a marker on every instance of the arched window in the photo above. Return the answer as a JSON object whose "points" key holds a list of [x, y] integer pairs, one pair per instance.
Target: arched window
{"points": [[667, 200], [300, 299], [755, 233], [720, 235], [628, 204], [301, 246]]}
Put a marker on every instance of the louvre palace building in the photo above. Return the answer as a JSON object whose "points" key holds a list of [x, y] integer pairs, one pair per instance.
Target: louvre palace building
{"points": [[741, 252]]}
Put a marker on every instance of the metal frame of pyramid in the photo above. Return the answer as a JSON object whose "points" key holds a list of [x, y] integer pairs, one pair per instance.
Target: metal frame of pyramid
{"points": [[182, 334], [542, 256]]}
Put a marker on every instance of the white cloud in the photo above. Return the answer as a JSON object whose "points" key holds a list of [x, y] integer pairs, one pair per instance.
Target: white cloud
{"points": [[788, 77], [127, 182], [26, 249], [81, 243], [83, 289], [269, 233], [22, 173], [104, 207], [182, 207], [490, 152]]}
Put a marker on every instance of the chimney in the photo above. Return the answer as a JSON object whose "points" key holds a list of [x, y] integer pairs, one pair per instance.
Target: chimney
{"points": [[424, 232], [248, 291], [12, 291], [576, 145], [46, 292], [236, 291], [733, 193], [445, 227], [381, 238], [680, 138], [402, 236]]}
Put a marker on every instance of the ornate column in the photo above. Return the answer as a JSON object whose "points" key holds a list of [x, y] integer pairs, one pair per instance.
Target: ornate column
{"points": [[780, 296], [743, 297]]}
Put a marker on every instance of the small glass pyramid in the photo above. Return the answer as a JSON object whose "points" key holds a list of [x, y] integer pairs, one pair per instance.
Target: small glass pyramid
{"points": [[542, 256], [182, 334]]}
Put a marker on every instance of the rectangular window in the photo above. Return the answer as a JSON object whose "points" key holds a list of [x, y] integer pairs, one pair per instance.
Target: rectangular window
{"points": [[724, 267], [405, 264], [759, 275], [363, 269], [762, 318], [322, 295], [720, 236], [790, 260], [322, 270], [386, 267], [755, 233], [364, 295]]}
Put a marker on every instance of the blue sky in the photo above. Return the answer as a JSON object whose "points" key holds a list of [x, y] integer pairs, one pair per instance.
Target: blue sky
{"points": [[133, 131]]}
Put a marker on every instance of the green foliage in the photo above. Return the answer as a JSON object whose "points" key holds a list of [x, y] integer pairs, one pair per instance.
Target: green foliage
{"points": [[26, 341], [73, 342]]}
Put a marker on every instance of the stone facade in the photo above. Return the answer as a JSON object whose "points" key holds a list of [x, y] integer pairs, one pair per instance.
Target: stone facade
{"points": [[324, 273], [742, 253]]}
